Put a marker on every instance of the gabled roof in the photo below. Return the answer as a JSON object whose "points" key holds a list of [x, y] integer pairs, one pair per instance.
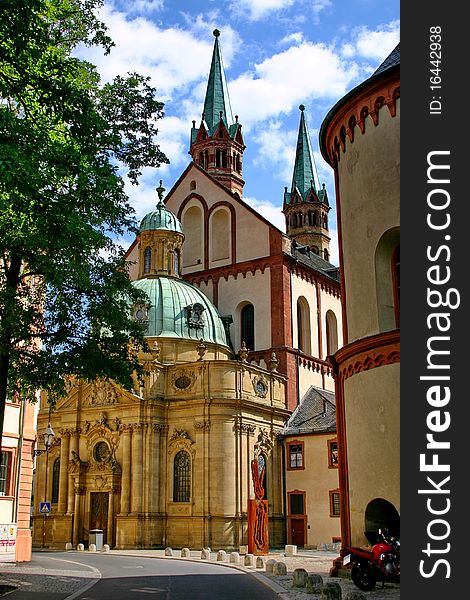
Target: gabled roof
{"points": [[217, 100], [316, 413]]}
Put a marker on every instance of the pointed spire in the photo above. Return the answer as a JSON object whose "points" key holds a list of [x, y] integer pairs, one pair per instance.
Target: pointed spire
{"points": [[217, 100], [304, 168]]}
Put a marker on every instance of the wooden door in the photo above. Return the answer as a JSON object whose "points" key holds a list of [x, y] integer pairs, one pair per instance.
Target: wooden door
{"points": [[99, 502], [298, 532]]}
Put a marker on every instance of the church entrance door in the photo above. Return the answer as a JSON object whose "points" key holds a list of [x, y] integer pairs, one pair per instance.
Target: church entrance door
{"points": [[99, 502]]}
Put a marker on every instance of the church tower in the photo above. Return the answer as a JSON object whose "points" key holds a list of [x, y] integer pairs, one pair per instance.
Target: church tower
{"points": [[217, 145], [306, 206]]}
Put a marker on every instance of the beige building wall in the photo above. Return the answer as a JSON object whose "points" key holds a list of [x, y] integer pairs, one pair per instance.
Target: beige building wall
{"points": [[369, 176], [316, 480]]}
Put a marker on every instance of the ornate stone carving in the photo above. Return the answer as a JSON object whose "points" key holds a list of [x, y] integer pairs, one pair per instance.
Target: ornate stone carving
{"points": [[102, 394], [260, 386], [264, 442], [183, 379], [180, 440], [202, 426]]}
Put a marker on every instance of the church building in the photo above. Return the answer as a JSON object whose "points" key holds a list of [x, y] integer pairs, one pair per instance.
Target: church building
{"points": [[240, 320]]}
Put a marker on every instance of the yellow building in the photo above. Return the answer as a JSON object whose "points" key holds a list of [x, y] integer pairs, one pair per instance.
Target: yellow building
{"points": [[169, 463], [311, 475]]}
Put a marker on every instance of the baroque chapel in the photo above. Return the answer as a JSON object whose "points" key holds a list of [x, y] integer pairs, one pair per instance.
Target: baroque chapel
{"points": [[240, 321]]}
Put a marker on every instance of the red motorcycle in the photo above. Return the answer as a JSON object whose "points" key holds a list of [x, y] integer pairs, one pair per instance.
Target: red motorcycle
{"points": [[382, 561]]}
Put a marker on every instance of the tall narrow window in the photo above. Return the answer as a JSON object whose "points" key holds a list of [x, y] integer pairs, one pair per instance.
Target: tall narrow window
{"points": [[55, 481], [176, 262], [5, 465], [147, 259], [334, 503], [296, 456], [247, 318], [182, 477], [303, 325], [331, 332]]}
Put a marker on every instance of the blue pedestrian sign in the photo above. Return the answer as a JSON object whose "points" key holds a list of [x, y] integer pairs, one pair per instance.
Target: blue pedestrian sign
{"points": [[45, 507]]}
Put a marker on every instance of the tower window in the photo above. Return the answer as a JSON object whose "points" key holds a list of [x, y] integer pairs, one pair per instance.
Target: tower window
{"points": [[147, 259], [55, 480], [182, 477], [247, 318]]}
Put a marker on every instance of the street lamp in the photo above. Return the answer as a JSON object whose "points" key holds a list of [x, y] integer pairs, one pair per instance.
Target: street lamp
{"points": [[48, 437]]}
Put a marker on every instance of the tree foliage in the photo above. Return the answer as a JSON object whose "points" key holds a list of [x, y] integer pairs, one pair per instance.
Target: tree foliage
{"points": [[65, 138]]}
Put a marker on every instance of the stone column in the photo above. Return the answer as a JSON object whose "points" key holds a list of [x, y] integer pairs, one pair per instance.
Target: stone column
{"points": [[76, 521], [136, 495], [126, 470], [110, 524], [74, 435], [64, 471]]}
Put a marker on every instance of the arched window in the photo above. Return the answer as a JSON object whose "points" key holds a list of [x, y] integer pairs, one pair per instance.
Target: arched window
{"points": [[182, 477], [147, 259], [247, 319], [220, 237], [315, 250], [326, 254], [193, 230], [387, 276], [176, 262], [331, 332], [55, 481], [303, 325]]}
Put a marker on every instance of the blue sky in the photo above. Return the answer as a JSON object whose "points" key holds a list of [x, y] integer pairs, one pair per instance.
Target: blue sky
{"points": [[277, 54]]}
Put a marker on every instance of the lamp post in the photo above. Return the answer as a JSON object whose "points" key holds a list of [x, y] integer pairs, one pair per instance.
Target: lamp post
{"points": [[48, 437]]}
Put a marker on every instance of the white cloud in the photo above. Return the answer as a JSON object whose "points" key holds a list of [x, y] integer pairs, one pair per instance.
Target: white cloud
{"points": [[273, 87], [174, 58], [270, 211], [258, 9], [374, 45], [276, 150], [296, 38]]}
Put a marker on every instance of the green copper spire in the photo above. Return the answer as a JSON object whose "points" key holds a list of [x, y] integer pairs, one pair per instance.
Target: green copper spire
{"points": [[304, 172], [217, 100]]}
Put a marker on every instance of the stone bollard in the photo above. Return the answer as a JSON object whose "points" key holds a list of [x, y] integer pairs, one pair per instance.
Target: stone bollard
{"points": [[299, 578], [205, 554], [314, 584], [331, 591], [249, 560], [207, 548], [243, 549], [221, 556], [270, 565], [355, 595], [234, 558], [92, 548], [69, 546], [105, 548], [185, 553], [290, 550], [260, 562], [80, 547], [168, 552], [280, 568]]}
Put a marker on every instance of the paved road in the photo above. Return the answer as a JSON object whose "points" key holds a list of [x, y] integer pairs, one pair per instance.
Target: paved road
{"points": [[83, 576]]}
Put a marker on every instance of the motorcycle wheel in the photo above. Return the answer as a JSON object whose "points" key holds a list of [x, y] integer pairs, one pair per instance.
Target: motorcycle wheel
{"points": [[363, 577]]}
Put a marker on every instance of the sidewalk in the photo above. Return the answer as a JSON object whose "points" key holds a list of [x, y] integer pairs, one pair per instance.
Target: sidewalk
{"points": [[31, 578]]}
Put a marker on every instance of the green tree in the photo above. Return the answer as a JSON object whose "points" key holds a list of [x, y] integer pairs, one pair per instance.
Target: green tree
{"points": [[65, 141]]}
